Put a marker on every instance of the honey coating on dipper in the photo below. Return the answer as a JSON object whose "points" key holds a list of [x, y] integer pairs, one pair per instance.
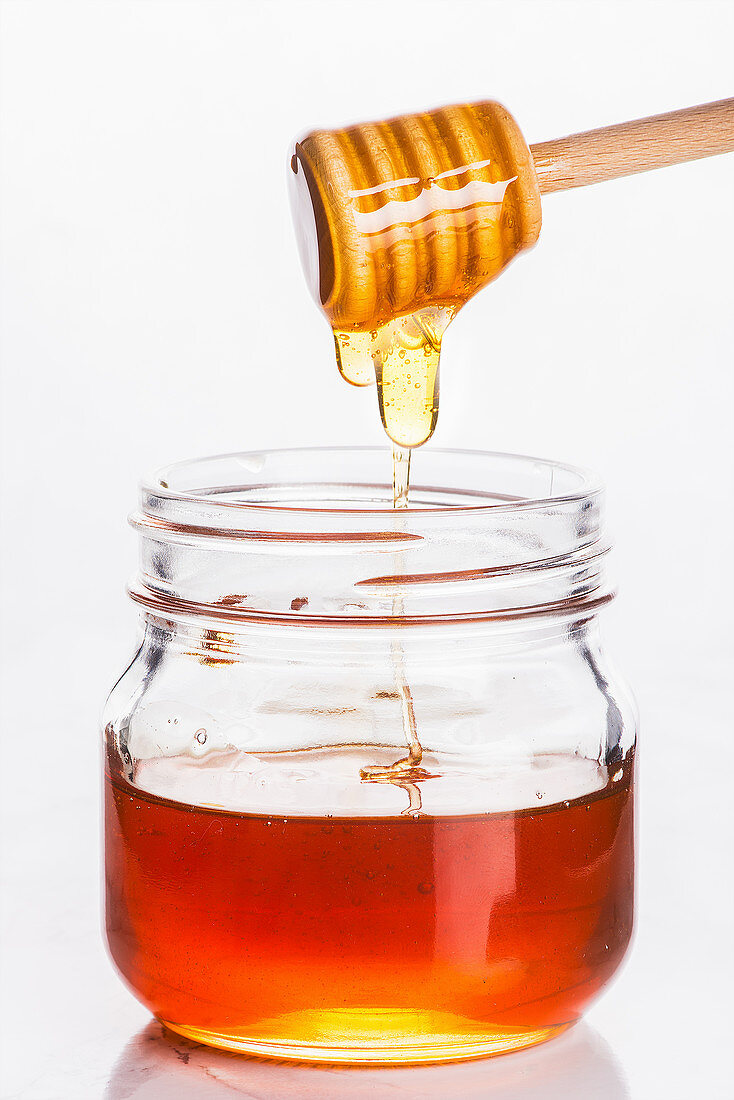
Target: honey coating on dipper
{"points": [[400, 223]]}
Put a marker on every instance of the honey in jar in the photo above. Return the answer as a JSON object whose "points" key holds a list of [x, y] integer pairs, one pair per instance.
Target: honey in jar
{"points": [[469, 933]]}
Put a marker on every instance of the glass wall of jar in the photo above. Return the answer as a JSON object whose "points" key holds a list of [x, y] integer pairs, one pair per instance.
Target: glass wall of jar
{"points": [[369, 775]]}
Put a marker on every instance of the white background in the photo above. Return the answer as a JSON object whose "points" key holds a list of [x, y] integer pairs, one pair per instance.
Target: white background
{"points": [[153, 309]]}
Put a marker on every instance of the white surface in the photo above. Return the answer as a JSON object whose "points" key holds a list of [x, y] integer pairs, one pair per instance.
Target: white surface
{"points": [[154, 310]]}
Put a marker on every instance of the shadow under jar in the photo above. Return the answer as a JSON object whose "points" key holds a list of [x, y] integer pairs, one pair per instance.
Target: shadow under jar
{"points": [[369, 776]]}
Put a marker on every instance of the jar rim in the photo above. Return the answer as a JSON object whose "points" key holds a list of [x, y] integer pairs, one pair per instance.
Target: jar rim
{"points": [[162, 482], [311, 535]]}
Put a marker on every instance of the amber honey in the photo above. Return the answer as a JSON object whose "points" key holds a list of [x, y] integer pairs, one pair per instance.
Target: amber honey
{"points": [[454, 935]]}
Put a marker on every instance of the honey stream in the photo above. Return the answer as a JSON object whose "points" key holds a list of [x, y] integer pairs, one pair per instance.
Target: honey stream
{"points": [[406, 772], [399, 223]]}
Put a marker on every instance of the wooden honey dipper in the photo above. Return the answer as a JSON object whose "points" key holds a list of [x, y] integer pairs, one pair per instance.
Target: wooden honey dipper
{"points": [[401, 222]]}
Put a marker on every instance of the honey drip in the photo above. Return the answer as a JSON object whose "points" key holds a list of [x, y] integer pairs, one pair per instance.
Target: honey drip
{"points": [[402, 357]]}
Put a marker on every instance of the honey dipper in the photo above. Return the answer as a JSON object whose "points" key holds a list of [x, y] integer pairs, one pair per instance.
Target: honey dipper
{"points": [[401, 222]]}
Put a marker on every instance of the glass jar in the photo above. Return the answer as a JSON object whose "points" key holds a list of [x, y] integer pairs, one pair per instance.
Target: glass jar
{"points": [[369, 775]]}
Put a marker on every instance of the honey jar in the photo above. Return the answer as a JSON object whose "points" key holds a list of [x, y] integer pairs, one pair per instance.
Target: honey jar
{"points": [[369, 777]]}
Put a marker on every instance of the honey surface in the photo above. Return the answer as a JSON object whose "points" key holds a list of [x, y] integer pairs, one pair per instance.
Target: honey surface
{"points": [[338, 929]]}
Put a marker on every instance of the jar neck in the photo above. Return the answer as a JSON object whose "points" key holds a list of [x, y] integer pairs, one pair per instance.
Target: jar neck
{"points": [[443, 646], [308, 539]]}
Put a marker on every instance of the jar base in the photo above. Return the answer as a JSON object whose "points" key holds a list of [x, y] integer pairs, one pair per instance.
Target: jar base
{"points": [[347, 1039]]}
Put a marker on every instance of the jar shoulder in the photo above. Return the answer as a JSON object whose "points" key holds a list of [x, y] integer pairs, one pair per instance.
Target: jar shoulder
{"points": [[176, 699]]}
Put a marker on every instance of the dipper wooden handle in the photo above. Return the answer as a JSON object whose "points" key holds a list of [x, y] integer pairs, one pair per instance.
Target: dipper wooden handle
{"points": [[638, 146]]}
